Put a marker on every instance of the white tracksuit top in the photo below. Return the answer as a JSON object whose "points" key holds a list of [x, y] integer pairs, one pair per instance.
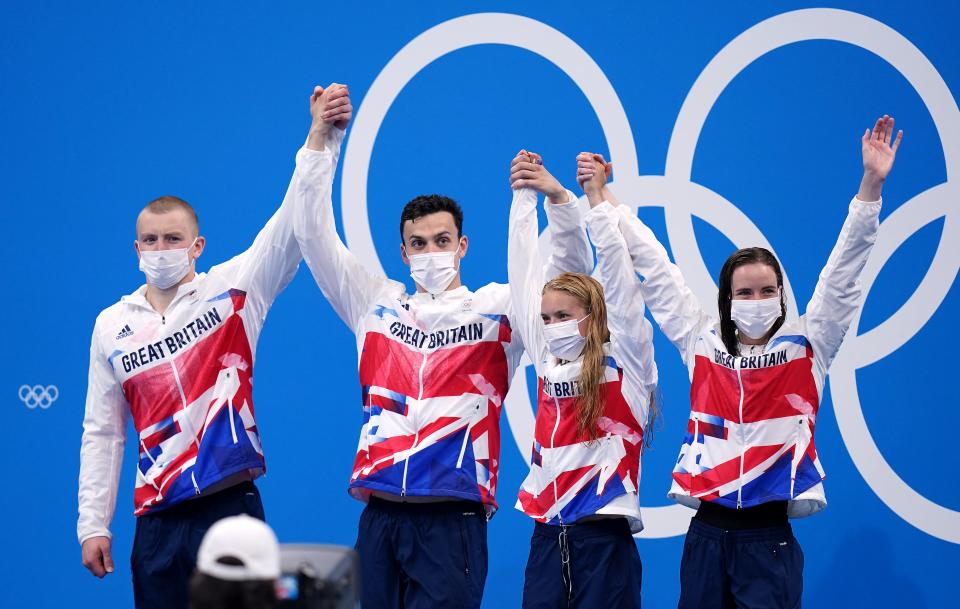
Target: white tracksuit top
{"points": [[433, 370], [572, 477], [185, 377], [749, 438]]}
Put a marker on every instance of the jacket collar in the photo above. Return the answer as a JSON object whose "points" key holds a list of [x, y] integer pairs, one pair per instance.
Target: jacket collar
{"points": [[138, 297], [443, 297]]}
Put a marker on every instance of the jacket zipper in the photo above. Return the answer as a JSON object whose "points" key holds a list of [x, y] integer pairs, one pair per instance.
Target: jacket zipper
{"points": [[183, 404], [556, 425], [696, 434], [743, 446], [416, 437], [163, 321], [186, 420]]}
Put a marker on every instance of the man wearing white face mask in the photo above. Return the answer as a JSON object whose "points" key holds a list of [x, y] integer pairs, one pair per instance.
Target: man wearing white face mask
{"points": [[748, 461], [177, 357], [434, 369]]}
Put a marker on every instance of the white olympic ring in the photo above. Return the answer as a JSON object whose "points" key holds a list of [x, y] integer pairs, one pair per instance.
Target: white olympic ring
{"points": [[38, 395], [681, 198]]}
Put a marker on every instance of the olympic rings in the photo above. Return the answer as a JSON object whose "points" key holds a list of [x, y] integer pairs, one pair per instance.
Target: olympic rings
{"points": [[38, 395], [681, 199]]}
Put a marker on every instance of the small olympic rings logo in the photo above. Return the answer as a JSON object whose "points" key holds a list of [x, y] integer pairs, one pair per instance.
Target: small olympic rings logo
{"points": [[38, 396]]}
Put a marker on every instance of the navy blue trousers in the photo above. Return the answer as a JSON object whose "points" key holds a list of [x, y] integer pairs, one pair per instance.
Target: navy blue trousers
{"points": [[422, 555], [746, 569], [166, 542], [590, 565]]}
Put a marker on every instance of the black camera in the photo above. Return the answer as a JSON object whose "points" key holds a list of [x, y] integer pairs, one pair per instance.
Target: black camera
{"points": [[316, 576]]}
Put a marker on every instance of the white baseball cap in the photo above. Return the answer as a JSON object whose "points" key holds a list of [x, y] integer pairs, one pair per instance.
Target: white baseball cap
{"points": [[240, 538]]}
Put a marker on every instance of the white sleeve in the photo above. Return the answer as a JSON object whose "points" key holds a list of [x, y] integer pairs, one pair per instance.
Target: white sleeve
{"points": [[347, 284], [571, 249], [674, 306], [838, 293], [631, 335], [101, 449], [525, 274]]}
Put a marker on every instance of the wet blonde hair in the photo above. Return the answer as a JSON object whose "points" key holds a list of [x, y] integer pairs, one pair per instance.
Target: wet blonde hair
{"points": [[590, 294]]}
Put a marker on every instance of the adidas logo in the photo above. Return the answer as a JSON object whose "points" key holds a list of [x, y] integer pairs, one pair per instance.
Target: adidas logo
{"points": [[125, 332]]}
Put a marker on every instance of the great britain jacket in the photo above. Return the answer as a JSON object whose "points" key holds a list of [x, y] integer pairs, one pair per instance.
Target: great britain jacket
{"points": [[571, 475], [750, 435], [433, 370], [185, 378]]}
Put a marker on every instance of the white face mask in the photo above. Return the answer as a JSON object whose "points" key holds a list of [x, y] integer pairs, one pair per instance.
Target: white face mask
{"points": [[434, 271], [165, 268], [754, 318], [564, 340]]}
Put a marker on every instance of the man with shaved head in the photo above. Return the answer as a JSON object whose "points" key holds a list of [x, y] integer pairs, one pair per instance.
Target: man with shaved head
{"points": [[177, 357]]}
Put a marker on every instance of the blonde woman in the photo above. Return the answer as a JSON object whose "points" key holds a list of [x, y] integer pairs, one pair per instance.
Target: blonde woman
{"points": [[591, 347]]}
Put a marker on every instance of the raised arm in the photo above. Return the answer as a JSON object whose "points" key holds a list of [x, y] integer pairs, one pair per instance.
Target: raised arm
{"points": [[571, 249], [344, 280], [838, 292], [673, 305], [631, 335], [524, 269], [101, 453], [271, 262]]}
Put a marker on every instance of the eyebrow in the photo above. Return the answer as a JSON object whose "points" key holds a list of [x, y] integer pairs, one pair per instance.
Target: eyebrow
{"points": [[440, 234], [175, 233]]}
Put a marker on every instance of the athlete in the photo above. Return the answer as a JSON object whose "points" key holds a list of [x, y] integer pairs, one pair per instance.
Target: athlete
{"points": [[591, 347], [434, 369], [177, 356], [748, 461]]}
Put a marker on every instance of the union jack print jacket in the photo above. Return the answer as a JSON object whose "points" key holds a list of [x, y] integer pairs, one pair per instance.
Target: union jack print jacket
{"points": [[433, 370], [571, 476], [750, 436], [185, 377]]}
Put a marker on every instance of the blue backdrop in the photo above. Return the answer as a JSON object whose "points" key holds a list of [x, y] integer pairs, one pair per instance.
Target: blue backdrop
{"points": [[750, 115]]}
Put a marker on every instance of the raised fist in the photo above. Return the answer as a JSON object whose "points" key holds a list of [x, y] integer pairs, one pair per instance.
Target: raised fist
{"points": [[331, 106], [527, 171]]}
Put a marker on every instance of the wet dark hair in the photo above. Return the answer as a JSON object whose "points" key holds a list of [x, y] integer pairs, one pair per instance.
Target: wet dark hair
{"points": [[209, 592], [424, 205], [749, 255]]}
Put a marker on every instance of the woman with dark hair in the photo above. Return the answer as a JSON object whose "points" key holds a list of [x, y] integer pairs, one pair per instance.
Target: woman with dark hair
{"points": [[596, 377], [748, 460]]}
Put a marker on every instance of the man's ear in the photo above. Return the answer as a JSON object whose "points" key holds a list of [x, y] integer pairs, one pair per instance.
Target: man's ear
{"points": [[403, 254], [136, 248], [199, 246], [464, 242]]}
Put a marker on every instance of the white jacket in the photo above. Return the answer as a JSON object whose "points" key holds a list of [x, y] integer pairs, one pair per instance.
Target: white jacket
{"points": [[750, 435], [185, 377], [572, 477], [434, 370]]}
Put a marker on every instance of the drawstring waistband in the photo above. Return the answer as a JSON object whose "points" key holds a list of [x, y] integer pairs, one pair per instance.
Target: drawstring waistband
{"points": [[565, 572]]}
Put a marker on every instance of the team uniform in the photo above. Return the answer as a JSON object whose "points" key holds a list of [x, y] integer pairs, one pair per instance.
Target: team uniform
{"points": [[434, 371], [749, 444], [583, 493], [185, 377]]}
